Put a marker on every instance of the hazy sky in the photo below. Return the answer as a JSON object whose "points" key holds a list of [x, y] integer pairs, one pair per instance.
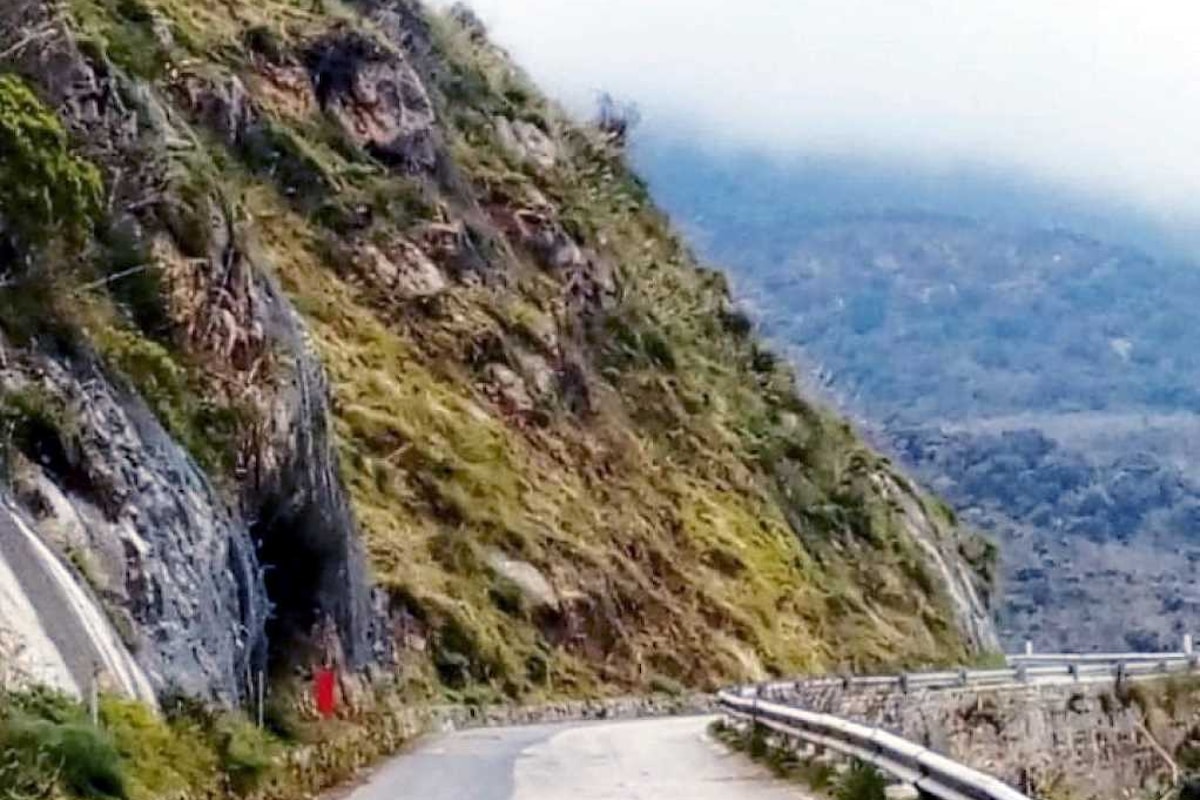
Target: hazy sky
{"points": [[1103, 94]]}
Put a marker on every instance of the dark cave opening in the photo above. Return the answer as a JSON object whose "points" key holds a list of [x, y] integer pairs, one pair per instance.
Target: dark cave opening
{"points": [[301, 572]]}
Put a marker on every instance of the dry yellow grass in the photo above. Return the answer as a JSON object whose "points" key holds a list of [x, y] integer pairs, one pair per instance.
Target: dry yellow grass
{"points": [[697, 522]]}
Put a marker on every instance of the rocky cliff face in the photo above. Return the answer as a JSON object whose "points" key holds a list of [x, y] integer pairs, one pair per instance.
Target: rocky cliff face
{"points": [[340, 342]]}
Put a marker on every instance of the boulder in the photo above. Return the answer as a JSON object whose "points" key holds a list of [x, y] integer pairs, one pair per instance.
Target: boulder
{"points": [[377, 97], [400, 268], [507, 388], [534, 586], [527, 142]]}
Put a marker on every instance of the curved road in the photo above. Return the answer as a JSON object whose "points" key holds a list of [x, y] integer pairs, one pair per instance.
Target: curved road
{"points": [[657, 759]]}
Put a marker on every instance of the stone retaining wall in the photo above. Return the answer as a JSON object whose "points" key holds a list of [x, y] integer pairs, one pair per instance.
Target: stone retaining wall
{"points": [[1092, 739]]}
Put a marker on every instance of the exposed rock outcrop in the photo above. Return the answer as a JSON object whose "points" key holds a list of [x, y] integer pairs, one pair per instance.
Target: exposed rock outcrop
{"points": [[378, 99], [179, 561], [162, 548]]}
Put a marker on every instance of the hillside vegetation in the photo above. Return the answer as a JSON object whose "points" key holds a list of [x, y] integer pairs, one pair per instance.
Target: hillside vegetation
{"points": [[574, 468], [1041, 380]]}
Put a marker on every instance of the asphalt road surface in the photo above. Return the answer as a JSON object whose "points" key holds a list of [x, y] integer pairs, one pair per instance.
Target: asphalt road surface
{"points": [[660, 759]]}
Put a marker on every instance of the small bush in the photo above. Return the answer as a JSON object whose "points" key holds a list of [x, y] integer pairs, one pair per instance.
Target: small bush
{"points": [[757, 745], [90, 763], [45, 189], [737, 323], [80, 758], [861, 782], [659, 350], [123, 30], [134, 281], [282, 718], [165, 757], [266, 42], [537, 668], [37, 424], [247, 754]]}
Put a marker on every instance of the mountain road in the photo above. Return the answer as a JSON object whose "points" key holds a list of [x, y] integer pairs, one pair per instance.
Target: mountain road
{"points": [[656, 759]]}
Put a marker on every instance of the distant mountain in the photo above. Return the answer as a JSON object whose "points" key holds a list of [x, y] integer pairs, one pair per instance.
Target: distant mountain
{"points": [[1042, 380], [938, 318]]}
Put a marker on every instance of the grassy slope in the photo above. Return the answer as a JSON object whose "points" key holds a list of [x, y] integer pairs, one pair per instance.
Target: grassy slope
{"points": [[699, 523]]}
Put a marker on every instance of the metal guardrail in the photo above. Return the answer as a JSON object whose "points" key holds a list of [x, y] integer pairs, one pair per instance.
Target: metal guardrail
{"points": [[1049, 668], [1097, 658], [930, 772]]}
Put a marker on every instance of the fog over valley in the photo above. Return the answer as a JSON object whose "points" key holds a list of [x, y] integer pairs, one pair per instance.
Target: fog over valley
{"points": [[1097, 97]]}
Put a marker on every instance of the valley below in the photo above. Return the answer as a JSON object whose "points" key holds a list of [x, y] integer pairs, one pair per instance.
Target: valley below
{"points": [[1041, 380]]}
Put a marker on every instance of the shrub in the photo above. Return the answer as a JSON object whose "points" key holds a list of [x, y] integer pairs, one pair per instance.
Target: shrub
{"points": [[507, 596], [44, 187], [861, 782], [37, 424], [90, 763], [758, 746], [165, 757], [79, 757], [246, 753]]}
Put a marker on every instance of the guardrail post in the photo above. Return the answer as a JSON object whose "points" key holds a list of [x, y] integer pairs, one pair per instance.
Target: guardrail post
{"points": [[1074, 670], [1122, 673], [1188, 648], [904, 682], [1023, 673], [94, 696], [964, 678]]}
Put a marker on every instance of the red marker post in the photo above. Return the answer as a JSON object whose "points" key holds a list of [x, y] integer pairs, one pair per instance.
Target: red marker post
{"points": [[324, 692]]}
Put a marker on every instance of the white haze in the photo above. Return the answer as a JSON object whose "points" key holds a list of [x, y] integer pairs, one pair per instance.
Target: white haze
{"points": [[1103, 95]]}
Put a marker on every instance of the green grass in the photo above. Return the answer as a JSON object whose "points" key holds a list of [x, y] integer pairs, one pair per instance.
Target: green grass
{"points": [[49, 748], [72, 755], [860, 782], [47, 745], [176, 392], [46, 189]]}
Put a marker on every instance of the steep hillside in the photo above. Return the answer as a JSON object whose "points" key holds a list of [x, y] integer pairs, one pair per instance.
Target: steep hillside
{"points": [[357, 349], [1041, 380]]}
